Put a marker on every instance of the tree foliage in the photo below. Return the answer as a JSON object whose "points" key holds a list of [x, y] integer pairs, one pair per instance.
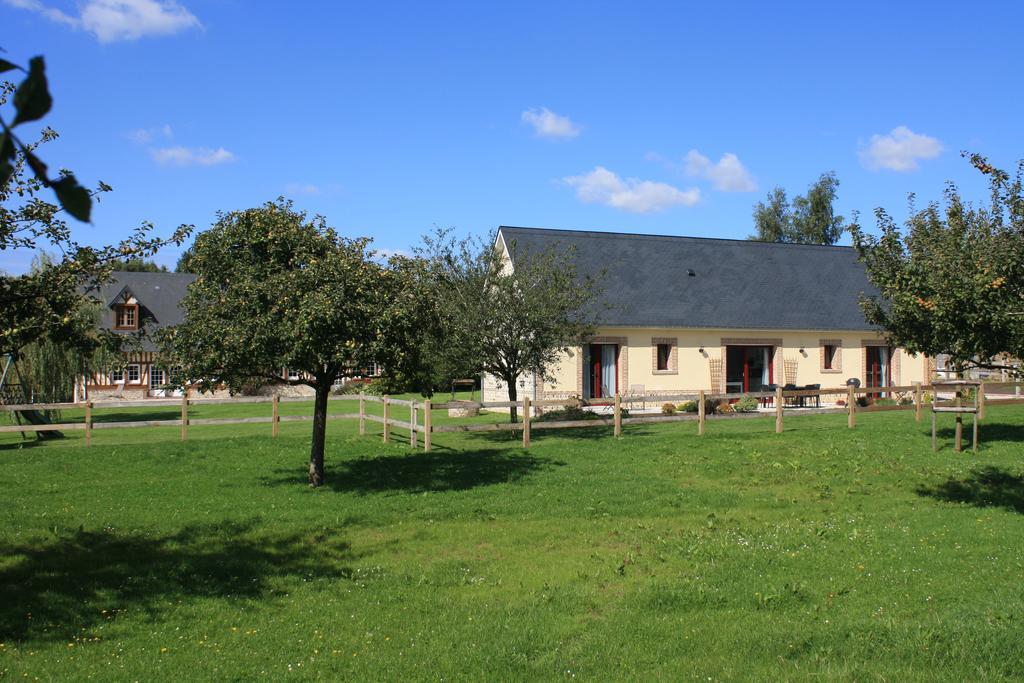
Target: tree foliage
{"points": [[137, 265], [952, 279], [809, 219], [276, 289], [502, 320]]}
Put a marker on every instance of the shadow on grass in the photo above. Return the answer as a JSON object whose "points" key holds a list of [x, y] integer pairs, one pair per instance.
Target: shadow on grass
{"points": [[420, 472], [62, 587], [986, 432], [598, 432], [30, 442], [987, 487]]}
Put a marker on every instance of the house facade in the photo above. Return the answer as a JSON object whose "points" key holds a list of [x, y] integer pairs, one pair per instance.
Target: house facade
{"points": [[135, 302], [687, 314]]}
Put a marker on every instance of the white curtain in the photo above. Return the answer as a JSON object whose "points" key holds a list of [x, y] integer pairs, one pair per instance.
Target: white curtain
{"points": [[764, 370], [608, 369], [883, 363]]}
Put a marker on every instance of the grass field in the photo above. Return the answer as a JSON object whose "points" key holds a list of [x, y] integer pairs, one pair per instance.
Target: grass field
{"points": [[822, 552]]}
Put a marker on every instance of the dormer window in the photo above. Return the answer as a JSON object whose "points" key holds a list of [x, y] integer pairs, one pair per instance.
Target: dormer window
{"points": [[126, 317]]}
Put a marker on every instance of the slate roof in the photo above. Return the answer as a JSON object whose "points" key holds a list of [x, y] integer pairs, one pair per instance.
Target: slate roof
{"points": [[159, 296], [738, 284]]}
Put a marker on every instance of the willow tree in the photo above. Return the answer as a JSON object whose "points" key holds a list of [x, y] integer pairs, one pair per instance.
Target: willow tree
{"points": [[276, 289], [951, 279]]}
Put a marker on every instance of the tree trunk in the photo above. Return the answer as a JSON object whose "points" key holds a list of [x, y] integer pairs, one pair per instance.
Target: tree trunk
{"points": [[316, 450], [513, 411]]}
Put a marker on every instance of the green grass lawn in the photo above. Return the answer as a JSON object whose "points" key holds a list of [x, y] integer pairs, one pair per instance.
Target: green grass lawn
{"points": [[821, 552]]}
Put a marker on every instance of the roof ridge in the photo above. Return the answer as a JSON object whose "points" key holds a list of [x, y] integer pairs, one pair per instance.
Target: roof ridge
{"points": [[614, 233]]}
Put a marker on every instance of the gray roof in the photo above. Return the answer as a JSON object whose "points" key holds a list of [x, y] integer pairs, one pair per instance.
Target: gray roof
{"points": [[735, 283], [159, 296]]}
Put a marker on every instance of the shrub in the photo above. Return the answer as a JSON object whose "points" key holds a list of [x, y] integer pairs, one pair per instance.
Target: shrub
{"points": [[747, 404], [687, 407], [572, 413], [668, 408], [724, 408], [864, 401], [885, 402], [906, 400]]}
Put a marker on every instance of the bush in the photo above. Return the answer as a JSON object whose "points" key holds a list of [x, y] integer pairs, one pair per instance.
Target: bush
{"points": [[687, 407], [864, 401], [572, 413], [906, 400], [668, 408], [885, 402], [747, 404]]}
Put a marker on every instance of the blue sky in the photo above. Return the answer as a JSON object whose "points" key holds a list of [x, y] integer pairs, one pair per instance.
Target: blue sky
{"points": [[389, 119]]}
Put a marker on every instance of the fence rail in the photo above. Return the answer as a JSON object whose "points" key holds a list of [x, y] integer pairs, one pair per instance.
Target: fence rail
{"points": [[616, 419]]}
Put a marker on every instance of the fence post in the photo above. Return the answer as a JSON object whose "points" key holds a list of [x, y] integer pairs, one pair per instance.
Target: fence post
{"points": [[387, 414], [700, 413], [851, 403], [917, 401], [428, 425], [526, 422], [88, 423], [413, 423], [618, 415], [184, 416], [778, 410], [362, 414], [981, 401], [275, 418]]}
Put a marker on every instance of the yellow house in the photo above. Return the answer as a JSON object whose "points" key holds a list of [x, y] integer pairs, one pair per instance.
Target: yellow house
{"points": [[692, 313]]}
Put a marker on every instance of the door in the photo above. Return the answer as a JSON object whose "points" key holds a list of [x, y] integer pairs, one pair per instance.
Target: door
{"points": [[879, 373], [601, 371], [748, 368]]}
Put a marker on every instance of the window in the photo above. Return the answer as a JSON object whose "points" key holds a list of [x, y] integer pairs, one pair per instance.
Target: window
{"points": [[292, 374], [134, 374], [126, 317], [117, 376], [664, 354], [831, 355], [157, 378]]}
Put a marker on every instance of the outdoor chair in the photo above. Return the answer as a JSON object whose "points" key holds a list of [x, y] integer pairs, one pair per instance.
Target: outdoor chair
{"points": [[792, 400], [769, 401], [813, 399]]}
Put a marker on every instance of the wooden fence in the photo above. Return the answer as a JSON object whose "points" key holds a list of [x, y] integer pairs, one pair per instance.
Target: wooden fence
{"points": [[615, 420]]}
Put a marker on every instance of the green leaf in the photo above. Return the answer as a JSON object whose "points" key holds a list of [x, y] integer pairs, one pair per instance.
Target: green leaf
{"points": [[73, 197], [7, 66], [6, 156], [37, 166], [32, 99]]}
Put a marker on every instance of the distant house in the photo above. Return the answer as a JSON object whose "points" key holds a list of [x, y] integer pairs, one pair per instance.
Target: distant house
{"points": [[720, 315], [134, 301]]}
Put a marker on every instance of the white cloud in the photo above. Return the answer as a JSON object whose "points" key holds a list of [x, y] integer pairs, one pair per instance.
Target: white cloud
{"points": [[727, 175], [900, 150], [548, 124], [144, 136], [602, 186], [113, 20], [301, 188], [192, 156]]}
